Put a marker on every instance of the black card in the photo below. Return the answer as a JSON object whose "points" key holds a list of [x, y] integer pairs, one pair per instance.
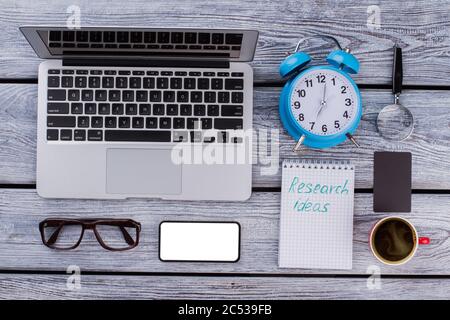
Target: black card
{"points": [[392, 182]]}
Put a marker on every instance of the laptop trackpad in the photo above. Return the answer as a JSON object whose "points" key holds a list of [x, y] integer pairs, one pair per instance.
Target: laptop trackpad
{"points": [[142, 171]]}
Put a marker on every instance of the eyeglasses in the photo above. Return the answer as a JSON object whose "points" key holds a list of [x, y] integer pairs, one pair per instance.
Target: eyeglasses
{"points": [[112, 234]]}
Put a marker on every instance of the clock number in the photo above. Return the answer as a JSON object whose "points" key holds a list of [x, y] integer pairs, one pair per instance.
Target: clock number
{"points": [[297, 104], [336, 124], [324, 128], [345, 115], [301, 117], [321, 78], [348, 102], [302, 93], [312, 125], [309, 83], [343, 89], [334, 81]]}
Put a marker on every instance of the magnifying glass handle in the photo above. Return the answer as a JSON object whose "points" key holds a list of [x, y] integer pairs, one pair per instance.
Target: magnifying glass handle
{"points": [[397, 71]]}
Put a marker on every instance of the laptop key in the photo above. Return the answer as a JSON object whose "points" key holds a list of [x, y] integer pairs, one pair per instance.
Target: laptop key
{"points": [[121, 82], [108, 82], [76, 108], [131, 109], [124, 122], [138, 122], [223, 97], [87, 95], [162, 83], [73, 95], [101, 95], [155, 96], [182, 96], [204, 38], [53, 81], [213, 110], [56, 95], [66, 135], [128, 95], [180, 136], [149, 83], [196, 96], [206, 123], [228, 123], [209, 97], [97, 122], [186, 110], [203, 83], [52, 134], [237, 97], [234, 84], [189, 83], [114, 95], [217, 38], [80, 82], [57, 108], [94, 82], [95, 135], [122, 36], [232, 111], [151, 122], [55, 36], [138, 135], [199, 110], [141, 96], [117, 108], [178, 123], [176, 83], [90, 108], [110, 122], [192, 123], [79, 135], [103, 108], [233, 38], [109, 36], [172, 109], [165, 123], [190, 37], [163, 37], [83, 122], [169, 96], [144, 109], [53, 71], [158, 109], [135, 83], [61, 121], [67, 82], [196, 136], [217, 84]]}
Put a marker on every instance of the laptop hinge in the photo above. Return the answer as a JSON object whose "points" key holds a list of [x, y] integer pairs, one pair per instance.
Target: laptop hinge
{"points": [[92, 62]]}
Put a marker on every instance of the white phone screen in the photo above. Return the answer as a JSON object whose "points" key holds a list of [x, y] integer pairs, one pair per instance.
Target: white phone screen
{"points": [[199, 241]]}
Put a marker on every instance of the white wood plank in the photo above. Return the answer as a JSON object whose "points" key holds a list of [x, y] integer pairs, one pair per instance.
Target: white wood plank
{"points": [[21, 247], [421, 27], [54, 287], [429, 144]]}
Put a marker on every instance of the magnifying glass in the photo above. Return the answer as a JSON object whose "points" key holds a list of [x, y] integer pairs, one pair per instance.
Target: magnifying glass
{"points": [[395, 122]]}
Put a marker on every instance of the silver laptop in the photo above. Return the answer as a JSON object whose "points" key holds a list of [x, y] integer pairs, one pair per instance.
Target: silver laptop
{"points": [[138, 113]]}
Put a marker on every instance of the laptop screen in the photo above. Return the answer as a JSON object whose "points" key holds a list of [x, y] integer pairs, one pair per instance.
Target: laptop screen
{"points": [[234, 45]]}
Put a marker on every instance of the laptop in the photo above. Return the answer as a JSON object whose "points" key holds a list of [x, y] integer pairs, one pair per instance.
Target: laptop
{"points": [[144, 113]]}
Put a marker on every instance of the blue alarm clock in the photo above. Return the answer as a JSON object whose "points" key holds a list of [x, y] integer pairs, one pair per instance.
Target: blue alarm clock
{"points": [[320, 106]]}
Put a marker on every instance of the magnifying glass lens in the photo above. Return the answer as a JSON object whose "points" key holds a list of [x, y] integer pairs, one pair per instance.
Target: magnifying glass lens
{"points": [[395, 122]]}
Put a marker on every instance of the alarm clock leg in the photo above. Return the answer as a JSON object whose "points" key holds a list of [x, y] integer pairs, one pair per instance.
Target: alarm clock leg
{"points": [[352, 139], [299, 143]]}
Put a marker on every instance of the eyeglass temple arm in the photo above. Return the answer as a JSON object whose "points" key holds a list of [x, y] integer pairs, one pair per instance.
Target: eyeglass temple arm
{"points": [[52, 239], [126, 236]]}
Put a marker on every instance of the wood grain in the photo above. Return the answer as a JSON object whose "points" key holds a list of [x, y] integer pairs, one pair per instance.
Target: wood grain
{"points": [[54, 287], [420, 27], [21, 247], [429, 144]]}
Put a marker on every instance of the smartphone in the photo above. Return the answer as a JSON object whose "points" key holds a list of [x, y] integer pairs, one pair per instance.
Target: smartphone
{"points": [[192, 241]]}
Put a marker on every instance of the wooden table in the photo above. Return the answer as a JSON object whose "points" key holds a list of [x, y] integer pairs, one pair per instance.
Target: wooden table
{"points": [[30, 270]]}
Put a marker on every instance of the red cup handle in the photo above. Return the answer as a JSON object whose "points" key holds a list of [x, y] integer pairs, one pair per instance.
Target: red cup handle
{"points": [[424, 240]]}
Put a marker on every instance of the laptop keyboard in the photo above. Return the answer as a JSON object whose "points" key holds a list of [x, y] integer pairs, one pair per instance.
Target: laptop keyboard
{"points": [[143, 106]]}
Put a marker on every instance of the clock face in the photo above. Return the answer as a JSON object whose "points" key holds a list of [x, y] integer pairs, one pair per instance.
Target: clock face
{"points": [[324, 102]]}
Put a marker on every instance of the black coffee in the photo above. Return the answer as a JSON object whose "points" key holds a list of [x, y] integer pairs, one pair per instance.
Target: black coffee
{"points": [[394, 240]]}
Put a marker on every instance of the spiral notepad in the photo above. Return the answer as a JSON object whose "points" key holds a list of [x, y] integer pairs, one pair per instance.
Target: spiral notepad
{"points": [[316, 224]]}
